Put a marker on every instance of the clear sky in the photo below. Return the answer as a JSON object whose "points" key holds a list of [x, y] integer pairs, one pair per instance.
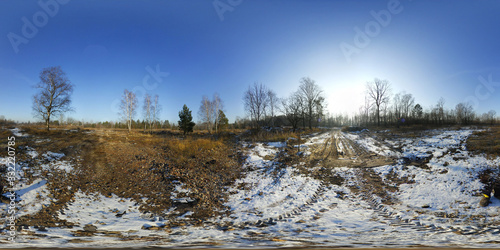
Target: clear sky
{"points": [[427, 48]]}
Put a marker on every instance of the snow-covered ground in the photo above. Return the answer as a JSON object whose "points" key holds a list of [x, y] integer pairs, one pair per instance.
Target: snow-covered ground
{"points": [[276, 205], [449, 188]]}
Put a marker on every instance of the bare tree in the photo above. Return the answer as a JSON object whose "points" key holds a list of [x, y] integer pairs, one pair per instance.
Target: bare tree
{"points": [[379, 91], [206, 112], [54, 94], [155, 112], [384, 109], [147, 111], [464, 112], [128, 107], [256, 101], [407, 103], [440, 110], [396, 104], [312, 96], [61, 119], [292, 109], [364, 112], [273, 105], [209, 112], [489, 117], [71, 121]]}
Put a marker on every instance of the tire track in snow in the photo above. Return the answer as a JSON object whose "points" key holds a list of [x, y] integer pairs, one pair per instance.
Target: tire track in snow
{"points": [[273, 220], [390, 217]]}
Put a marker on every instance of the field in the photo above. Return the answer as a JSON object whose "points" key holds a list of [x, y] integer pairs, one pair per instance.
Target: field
{"points": [[321, 188]]}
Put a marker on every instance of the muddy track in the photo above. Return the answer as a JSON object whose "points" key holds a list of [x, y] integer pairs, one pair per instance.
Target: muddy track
{"points": [[335, 148], [353, 148], [338, 150], [378, 194]]}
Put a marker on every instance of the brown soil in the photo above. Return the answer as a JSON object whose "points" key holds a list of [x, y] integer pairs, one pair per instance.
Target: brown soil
{"points": [[135, 166]]}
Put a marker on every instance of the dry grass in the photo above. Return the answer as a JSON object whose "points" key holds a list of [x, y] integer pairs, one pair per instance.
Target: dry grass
{"points": [[153, 164], [487, 142], [280, 135], [191, 148], [4, 135]]}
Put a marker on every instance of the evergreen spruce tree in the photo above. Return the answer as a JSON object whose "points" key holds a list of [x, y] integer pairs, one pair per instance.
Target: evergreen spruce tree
{"points": [[186, 123], [223, 121]]}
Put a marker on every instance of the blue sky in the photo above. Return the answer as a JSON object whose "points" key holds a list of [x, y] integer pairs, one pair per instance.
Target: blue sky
{"points": [[431, 49]]}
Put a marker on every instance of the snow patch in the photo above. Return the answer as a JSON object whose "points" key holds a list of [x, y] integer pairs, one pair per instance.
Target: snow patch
{"points": [[51, 156], [17, 132]]}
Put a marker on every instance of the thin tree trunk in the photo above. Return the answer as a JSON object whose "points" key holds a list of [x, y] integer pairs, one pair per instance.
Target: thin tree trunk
{"points": [[47, 121]]}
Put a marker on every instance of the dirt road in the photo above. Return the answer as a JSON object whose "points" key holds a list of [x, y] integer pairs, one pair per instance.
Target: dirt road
{"points": [[340, 151]]}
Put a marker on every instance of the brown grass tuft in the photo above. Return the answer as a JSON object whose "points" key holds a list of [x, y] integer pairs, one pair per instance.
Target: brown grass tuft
{"points": [[486, 141]]}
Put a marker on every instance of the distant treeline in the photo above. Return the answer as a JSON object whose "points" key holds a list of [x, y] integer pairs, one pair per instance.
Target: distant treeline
{"points": [[304, 108]]}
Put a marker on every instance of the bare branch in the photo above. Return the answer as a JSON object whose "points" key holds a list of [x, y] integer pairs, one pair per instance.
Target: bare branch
{"points": [[54, 96]]}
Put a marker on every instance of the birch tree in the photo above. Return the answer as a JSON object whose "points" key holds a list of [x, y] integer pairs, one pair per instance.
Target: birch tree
{"points": [[147, 111], [128, 107], [273, 105], [218, 106], [155, 112], [206, 112], [54, 96]]}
